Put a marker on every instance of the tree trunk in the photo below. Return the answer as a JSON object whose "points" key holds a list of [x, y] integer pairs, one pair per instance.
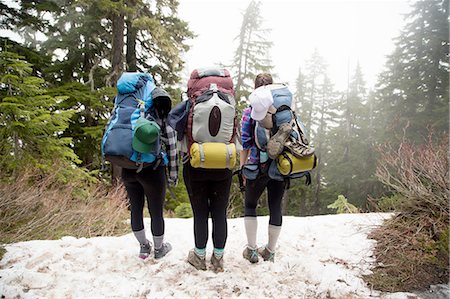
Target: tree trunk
{"points": [[316, 196], [131, 47], [118, 26], [319, 138], [116, 174], [131, 61], [302, 203], [87, 60]]}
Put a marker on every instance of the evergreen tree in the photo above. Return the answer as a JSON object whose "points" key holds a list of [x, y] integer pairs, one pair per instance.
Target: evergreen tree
{"points": [[30, 120], [161, 39], [325, 116], [88, 124], [315, 101], [315, 70], [348, 171], [252, 55], [296, 198], [299, 95], [413, 91]]}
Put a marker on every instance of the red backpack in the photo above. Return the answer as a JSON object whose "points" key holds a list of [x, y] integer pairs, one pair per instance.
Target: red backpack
{"points": [[211, 124]]}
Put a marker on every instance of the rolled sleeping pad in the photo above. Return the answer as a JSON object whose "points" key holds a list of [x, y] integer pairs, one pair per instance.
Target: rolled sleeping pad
{"points": [[288, 163], [213, 155]]}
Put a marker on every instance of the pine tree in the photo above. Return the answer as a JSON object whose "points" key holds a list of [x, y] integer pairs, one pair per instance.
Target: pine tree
{"points": [[160, 39], [348, 171], [252, 55], [413, 92], [88, 124], [315, 70], [300, 85], [315, 101], [30, 120], [325, 97]]}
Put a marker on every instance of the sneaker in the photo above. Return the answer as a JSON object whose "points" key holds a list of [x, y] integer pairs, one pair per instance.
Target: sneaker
{"points": [[299, 150], [276, 143], [266, 254], [217, 263], [161, 252], [198, 262], [145, 250], [250, 254]]}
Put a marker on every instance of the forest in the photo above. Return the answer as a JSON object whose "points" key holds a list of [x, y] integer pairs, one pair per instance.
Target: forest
{"points": [[380, 148]]}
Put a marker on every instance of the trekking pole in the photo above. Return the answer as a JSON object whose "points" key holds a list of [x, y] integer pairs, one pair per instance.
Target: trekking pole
{"points": [[172, 194]]}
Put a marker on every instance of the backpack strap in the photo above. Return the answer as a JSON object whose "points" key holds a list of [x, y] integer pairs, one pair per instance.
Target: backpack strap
{"points": [[274, 117], [287, 183], [302, 136], [269, 161], [308, 178], [240, 178]]}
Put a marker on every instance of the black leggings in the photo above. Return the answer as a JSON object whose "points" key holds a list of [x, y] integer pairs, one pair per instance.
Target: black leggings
{"points": [[208, 191], [151, 184], [275, 191]]}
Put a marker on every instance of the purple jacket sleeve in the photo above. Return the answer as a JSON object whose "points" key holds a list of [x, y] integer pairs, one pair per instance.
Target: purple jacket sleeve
{"points": [[246, 129]]}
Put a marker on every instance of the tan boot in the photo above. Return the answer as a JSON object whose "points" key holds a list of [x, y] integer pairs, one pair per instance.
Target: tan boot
{"points": [[198, 262], [251, 255], [266, 254], [217, 263], [276, 143]]}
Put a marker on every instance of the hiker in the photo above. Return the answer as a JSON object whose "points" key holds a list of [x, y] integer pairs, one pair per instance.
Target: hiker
{"points": [[138, 140], [266, 118], [208, 126]]}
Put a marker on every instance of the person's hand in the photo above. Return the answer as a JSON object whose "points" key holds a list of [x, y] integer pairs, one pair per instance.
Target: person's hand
{"points": [[173, 181]]}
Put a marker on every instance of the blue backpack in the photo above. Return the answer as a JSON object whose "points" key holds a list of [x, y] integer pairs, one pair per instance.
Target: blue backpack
{"points": [[135, 99], [282, 101]]}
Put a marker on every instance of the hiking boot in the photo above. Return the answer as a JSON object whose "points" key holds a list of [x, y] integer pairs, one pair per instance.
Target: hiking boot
{"points": [[266, 254], [145, 250], [217, 263], [161, 252], [250, 254], [299, 150], [276, 143], [198, 262]]}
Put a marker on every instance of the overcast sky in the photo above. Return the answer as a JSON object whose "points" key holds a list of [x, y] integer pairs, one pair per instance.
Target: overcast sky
{"points": [[344, 32]]}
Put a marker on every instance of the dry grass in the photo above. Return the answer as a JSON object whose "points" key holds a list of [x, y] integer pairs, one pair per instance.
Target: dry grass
{"points": [[412, 248], [35, 207]]}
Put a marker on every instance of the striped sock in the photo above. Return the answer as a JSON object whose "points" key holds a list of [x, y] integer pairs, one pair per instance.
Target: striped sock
{"points": [[201, 252], [218, 252]]}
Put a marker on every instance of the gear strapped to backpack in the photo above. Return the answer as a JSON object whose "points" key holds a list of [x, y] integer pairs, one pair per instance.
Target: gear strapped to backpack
{"points": [[132, 138], [211, 121], [279, 133]]}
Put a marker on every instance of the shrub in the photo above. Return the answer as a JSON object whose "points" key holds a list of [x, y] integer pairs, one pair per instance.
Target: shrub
{"points": [[412, 247], [37, 206], [386, 203], [390, 203], [341, 205], [183, 210]]}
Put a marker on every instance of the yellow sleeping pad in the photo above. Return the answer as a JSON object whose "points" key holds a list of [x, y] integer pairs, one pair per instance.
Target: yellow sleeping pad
{"points": [[213, 155], [288, 163]]}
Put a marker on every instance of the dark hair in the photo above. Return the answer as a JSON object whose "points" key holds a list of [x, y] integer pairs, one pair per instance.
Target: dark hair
{"points": [[263, 79]]}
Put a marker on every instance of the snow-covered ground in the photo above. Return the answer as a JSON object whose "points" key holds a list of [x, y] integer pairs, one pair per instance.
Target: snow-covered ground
{"points": [[317, 257]]}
